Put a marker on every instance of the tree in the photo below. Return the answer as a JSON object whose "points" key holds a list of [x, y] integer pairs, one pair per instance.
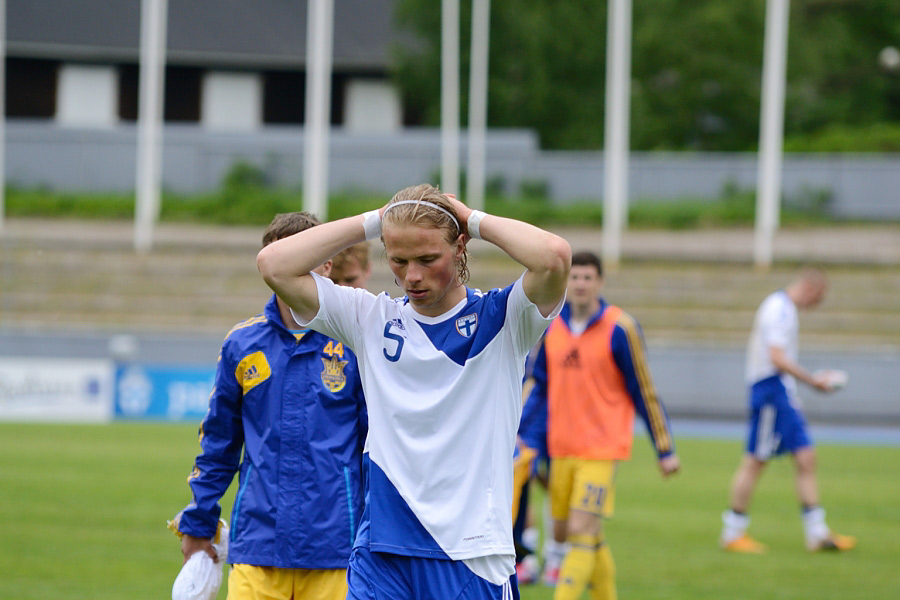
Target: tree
{"points": [[696, 69]]}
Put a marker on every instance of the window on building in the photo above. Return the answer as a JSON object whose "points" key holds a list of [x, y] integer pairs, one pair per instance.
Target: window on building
{"points": [[128, 92], [284, 97], [31, 87], [182, 95]]}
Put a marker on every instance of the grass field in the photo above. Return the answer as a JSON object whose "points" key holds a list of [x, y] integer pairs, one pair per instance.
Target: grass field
{"points": [[83, 511]]}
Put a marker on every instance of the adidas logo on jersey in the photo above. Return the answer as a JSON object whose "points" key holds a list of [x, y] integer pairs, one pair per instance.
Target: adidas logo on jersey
{"points": [[572, 359], [252, 370]]}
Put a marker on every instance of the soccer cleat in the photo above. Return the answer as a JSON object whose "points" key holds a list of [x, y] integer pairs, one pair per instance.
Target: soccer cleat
{"points": [[550, 576], [834, 542], [744, 545], [528, 570]]}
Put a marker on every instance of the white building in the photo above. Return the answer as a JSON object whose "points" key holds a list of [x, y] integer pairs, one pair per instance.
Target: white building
{"points": [[232, 65]]}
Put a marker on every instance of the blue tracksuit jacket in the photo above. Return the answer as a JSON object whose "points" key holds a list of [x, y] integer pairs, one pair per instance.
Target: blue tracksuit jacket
{"points": [[296, 410]]}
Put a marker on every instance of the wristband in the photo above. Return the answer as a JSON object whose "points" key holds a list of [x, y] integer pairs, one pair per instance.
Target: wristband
{"points": [[474, 224], [372, 224]]}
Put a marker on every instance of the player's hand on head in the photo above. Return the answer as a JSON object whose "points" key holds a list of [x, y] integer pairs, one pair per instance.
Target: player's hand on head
{"points": [[462, 211]]}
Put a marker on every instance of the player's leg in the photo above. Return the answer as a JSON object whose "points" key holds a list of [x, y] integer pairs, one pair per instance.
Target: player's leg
{"points": [[805, 476], [818, 536], [603, 580], [592, 483], [527, 564], [736, 520], [762, 443], [577, 566], [559, 491], [744, 482]]}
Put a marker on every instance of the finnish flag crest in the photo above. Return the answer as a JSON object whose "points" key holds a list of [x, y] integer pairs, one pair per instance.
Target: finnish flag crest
{"points": [[467, 325]]}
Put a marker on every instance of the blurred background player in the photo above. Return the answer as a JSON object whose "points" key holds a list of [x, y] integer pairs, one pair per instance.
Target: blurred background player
{"points": [[290, 401], [530, 464], [776, 421], [590, 376], [352, 267], [443, 369]]}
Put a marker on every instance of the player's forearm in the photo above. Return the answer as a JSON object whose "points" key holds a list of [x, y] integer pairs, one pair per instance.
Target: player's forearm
{"points": [[297, 255], [785, 365], [286, 264], [545, 255], [536, 249]]}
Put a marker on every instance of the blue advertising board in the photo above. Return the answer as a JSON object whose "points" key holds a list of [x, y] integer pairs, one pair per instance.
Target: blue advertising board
{"points": [[162, 392]]}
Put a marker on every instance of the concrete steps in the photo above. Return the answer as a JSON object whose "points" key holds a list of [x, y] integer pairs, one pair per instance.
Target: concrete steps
{"points": [[203, 279]]}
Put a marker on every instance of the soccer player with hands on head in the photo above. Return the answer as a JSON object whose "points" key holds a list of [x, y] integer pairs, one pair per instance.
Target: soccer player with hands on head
{"points": [[442, 370]]}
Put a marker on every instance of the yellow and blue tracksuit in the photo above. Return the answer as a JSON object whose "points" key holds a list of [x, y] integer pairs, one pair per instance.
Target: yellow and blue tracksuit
{"points": [[288, 413], [588, 387]]}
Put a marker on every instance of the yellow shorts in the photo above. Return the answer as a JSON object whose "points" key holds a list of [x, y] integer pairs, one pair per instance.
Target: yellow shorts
{"points": [[249, 582], [582, 484]]}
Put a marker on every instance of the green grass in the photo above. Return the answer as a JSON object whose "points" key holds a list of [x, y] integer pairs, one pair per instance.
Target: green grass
{"points": [[83, 511]]}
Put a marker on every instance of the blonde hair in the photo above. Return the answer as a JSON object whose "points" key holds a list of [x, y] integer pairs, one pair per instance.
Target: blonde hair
{"points": [[415, 210]]}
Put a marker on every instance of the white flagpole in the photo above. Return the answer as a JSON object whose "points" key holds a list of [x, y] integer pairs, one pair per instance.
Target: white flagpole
{"points": [[478, 88], [616, 129], [150, 116], [319, 44], [2, 114], [450, 96], [771, 133]]}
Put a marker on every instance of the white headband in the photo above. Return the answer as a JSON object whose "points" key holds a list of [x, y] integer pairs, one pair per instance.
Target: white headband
{"points": [[431, 204]]}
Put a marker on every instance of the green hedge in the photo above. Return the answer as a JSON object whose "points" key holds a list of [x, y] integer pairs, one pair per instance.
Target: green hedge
{"points": [[246, 198], [880, 137]]}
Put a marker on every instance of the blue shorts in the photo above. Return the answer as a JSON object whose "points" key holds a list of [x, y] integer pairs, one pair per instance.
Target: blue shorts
{"points": [[776, 425], [383, 576]]}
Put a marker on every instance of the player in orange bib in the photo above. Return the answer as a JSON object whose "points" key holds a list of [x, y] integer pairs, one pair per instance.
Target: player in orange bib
{"points": [[590, 376]]}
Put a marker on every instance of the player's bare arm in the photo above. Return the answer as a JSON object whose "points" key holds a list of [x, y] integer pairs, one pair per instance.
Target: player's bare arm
{"points": [[785, 365], [546, 256], [286, 264]]}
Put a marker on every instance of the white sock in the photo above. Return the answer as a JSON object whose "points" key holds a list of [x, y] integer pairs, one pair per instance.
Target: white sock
{"points": [[554, 553], [814, 524], [530, 538], [733, 525]]}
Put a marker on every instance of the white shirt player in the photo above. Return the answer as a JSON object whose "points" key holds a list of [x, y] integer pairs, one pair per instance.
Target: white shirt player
{"points": [[775, 324], [444, 401]]}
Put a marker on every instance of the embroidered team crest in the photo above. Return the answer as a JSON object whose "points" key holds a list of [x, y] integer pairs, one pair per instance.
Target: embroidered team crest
{"points": [[467, 325], [333, 376]]}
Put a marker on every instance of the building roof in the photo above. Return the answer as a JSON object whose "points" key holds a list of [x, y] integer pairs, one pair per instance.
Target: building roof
{"points": [[223, 33]]}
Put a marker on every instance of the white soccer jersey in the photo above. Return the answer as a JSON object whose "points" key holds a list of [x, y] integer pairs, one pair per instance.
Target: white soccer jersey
{"points": [[775, 324], [444, 397]]}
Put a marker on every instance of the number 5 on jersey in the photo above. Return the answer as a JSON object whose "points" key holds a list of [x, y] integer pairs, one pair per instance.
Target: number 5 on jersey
{"points": [[389, 335]]}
